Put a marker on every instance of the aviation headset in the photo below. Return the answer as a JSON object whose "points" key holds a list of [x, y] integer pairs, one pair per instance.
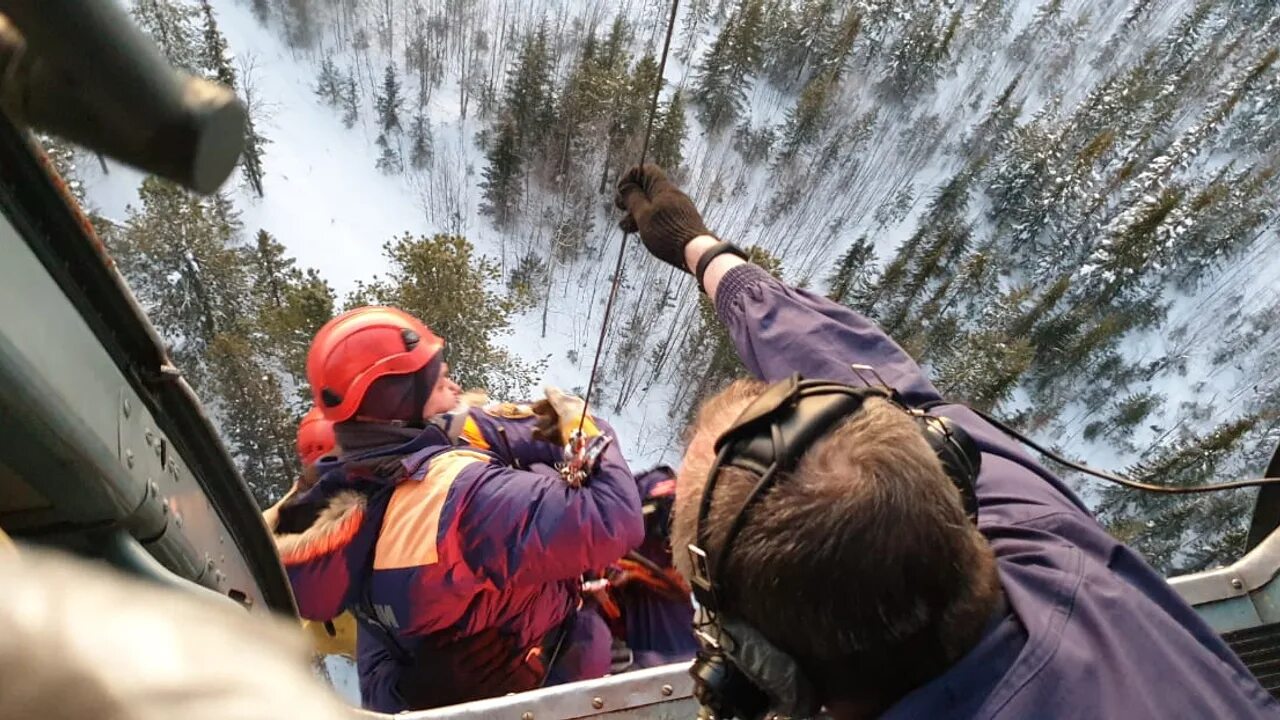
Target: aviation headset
{"points": [[738, 673]]}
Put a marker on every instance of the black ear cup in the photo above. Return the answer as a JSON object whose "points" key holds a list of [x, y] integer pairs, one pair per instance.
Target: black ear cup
{"points": [[771, 669], [959, 455]]}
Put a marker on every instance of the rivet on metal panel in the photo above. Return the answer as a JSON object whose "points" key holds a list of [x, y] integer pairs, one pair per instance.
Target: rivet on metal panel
{"points": [[208, 562], [128, 457], [153, 488], [177, 519], [148, 437], [597, 702], [667, 690], [1237, 583], [128, 408], [526, 716]]}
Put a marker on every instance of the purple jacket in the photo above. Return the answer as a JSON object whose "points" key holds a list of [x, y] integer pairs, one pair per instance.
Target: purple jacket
{"points": [[466, 543], [1091, 630], [659, 629]]}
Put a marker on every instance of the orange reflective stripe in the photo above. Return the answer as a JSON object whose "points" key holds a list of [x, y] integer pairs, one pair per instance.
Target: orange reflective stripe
{"points": [[412, 522], [472, 435]]}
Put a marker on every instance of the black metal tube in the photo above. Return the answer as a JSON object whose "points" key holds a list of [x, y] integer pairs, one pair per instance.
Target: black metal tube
{"points": [[82, 70]]}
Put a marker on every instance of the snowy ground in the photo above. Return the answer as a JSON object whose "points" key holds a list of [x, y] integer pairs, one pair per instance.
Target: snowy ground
{"points": [[333, 210]]}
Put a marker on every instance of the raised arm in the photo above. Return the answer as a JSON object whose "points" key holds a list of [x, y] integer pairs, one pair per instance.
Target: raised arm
{"points": [[778, 330]]}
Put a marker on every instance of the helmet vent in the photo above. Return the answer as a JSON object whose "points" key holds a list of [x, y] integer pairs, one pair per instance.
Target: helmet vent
{"points": [[330, 398], [410, 338]]}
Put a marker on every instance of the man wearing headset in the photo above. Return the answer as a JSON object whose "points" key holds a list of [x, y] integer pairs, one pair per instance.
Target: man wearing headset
{"points": [[855, 577]]}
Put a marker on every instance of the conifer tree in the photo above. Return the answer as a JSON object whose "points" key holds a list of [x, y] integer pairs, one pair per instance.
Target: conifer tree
{"points": [[215, 61], [254, 141], [726, 69], [350, 99], [388, 156], [854, 277], [668, 134], [63, 156], [178, 253], [528, 102], [299, 25], [172, 25], [387, 103], [441, 280], [291, 305], [501, 183], [421, 148], [1179, 536], [329, 82], [256, 420]]}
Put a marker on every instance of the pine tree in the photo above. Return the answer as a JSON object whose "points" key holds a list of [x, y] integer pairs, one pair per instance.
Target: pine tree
{"points": [[255, 418], [254, 141], [441, 280], [528, 107], [270, 269], [172, 25], [726, 69], [388, 156], [178, 253], [419, 57], [528, 278], [421, 150], [387, 103], [290, 308], [852, 280], [501, 183], [329, 82], [668, 134], [691, 28], [1178, 535], [298, 23], [350, 100], [809, 117], [215, 61]]}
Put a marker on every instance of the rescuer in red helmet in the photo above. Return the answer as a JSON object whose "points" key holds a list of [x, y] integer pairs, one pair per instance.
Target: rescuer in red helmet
{"points": [[461, 569], [316, 441]]}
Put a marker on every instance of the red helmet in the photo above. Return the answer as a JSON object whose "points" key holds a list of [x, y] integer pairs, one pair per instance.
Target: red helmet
{"points": [[356, 348], [315, 437]]}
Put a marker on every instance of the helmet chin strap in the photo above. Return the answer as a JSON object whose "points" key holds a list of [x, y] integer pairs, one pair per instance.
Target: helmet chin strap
{"points": [[421, 393]]}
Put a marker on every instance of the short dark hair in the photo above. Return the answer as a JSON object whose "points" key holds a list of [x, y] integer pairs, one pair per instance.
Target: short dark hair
{"points": [[860, 563]]}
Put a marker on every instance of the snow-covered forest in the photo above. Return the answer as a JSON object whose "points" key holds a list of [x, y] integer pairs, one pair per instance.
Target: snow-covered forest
{"points": [[1066, 210]]}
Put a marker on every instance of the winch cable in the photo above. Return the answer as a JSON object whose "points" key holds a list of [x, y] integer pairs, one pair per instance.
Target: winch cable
{"points": [[1121, 480], [622, 248]]}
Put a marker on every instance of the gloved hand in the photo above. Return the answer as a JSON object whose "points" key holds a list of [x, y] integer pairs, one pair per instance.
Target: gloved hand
{"points": [[558, 417], [663, 215]]}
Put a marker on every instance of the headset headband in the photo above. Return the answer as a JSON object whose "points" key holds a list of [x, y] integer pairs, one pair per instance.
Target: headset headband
{"points": [[768, 438]]}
